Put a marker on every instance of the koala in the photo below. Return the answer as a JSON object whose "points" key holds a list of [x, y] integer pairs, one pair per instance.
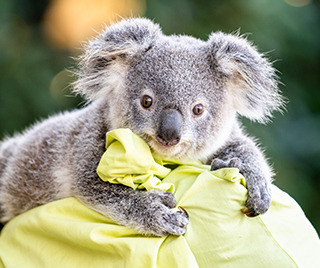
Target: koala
{"points": [[180, 94]]}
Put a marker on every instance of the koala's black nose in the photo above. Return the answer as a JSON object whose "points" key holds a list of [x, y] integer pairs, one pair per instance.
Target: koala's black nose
{"points": [[169, 132]]}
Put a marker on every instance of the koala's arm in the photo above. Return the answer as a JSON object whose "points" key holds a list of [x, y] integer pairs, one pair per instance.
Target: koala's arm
{"points": [[146, 211], [242, 152]]}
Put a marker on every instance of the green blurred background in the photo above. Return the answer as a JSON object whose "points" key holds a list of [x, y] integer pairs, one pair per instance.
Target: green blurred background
{"points": [[35, 51]]}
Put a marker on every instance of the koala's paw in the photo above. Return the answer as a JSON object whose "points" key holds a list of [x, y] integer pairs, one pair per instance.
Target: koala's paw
{"points": [[218, 163], [259, 193], [258, 202], [159, 220]]}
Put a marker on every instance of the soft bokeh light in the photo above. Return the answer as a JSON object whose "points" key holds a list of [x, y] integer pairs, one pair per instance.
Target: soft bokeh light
{"points": [[298, 3], [67, 23]]}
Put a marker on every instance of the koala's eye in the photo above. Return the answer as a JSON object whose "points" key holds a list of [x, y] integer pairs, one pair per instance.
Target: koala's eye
{"points": [[146, 101], [198, 109]]}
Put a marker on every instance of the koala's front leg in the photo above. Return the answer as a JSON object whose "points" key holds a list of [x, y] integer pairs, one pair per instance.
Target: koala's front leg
{"points": [[243, 154], [146, 211]]}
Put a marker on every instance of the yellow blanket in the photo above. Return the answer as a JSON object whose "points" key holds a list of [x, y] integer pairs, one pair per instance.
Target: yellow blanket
{"points": [[66, 233]]}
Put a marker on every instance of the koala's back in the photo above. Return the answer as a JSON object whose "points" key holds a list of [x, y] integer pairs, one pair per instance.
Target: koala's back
{"points": [[32, 164]]}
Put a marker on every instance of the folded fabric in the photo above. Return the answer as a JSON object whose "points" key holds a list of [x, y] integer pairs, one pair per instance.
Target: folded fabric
{"points": [[128, 160], [66, 233]]}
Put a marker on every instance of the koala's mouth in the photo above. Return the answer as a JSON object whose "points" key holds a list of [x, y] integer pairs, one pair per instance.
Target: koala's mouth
{"points": [[166, 150], [172, 142]]}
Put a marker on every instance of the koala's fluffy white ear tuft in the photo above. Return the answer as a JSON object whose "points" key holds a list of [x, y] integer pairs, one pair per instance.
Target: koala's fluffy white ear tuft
{"points": [[249, 77], [103, 65]]}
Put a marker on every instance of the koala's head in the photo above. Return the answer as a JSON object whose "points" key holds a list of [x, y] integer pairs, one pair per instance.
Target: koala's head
{"points": [[181, 94]]}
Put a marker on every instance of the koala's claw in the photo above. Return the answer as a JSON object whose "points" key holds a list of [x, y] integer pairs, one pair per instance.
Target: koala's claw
{"points": [[249, 212], [183, 211]]}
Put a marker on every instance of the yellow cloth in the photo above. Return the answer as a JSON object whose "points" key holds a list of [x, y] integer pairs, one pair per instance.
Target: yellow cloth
{"points": [[128, 160], [66, 233]]}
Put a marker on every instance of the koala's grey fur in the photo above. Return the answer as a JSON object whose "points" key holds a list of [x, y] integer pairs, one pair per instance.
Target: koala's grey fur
{"points": [[225, 76]]}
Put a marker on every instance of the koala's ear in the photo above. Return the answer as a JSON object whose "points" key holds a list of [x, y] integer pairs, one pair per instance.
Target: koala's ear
{"points": [[103, 65], [249, 78]]}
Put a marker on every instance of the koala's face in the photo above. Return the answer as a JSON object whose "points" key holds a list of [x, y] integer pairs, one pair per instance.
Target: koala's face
{"points": [[177, 102], [181, 94]]}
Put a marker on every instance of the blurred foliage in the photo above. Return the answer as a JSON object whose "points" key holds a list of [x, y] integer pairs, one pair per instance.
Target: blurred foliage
{"points": [[33, 76]]}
